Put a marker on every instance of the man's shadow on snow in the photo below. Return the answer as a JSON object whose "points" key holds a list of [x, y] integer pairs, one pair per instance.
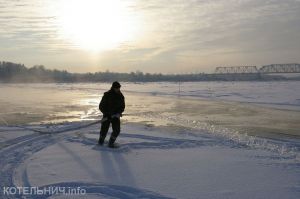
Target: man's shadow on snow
{"points": [[116, 167], [90, 171]]}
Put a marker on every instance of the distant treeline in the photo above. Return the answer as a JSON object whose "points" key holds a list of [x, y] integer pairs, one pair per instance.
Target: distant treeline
{"points": [[19, 73]]}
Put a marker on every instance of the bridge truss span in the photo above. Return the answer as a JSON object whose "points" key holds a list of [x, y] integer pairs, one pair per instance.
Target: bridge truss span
{"points": [[236, 70], [272, 68], [280, 68]]}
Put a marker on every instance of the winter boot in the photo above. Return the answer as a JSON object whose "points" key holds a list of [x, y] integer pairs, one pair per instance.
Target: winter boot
{"points": [[101, 140], [111, 143]]}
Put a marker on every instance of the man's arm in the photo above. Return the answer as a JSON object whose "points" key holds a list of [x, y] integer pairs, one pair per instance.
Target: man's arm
{"points": [[122, 105], [103, 104], [120, 109]]}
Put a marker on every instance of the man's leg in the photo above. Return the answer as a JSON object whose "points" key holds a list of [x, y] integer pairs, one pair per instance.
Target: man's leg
{"points": [[116, 131], [103, 131]]}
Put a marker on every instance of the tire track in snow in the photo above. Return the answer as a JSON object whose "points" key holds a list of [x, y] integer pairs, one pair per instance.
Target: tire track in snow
{"points": [[13, 156], [18, 150]]}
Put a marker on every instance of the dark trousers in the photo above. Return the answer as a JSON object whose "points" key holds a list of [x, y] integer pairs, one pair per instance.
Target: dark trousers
{"points": [[115, 126]]}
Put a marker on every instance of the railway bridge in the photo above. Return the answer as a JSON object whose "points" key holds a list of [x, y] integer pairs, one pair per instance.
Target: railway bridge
{"points": [[267, 69]]}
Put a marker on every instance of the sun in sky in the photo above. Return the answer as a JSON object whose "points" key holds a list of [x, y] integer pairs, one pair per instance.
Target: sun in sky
{"points": [[96, 25]]}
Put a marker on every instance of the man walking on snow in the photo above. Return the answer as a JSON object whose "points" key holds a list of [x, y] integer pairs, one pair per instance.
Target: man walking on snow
{"points": [[112, 106]]}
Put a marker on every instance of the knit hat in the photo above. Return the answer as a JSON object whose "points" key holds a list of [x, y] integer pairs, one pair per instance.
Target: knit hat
{"points": [[116, 85]]}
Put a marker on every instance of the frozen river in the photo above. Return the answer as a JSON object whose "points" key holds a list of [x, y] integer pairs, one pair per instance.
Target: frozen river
{"points": [[209, 138], [255, 108]]}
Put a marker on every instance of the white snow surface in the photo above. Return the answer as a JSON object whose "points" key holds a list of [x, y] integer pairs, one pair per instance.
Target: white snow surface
{"points": [[152, 162], [183, 158]]}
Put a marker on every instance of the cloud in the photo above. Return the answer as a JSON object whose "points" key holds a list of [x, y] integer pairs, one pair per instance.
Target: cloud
{"points": [[25, 26], [190, 33], [223, 27]]}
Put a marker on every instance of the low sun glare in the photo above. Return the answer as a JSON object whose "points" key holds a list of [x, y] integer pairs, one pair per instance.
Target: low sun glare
{"points": [[96, 25]]}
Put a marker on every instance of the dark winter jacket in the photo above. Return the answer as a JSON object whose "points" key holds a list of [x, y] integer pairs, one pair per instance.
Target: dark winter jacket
{"points": [[112, 103]]}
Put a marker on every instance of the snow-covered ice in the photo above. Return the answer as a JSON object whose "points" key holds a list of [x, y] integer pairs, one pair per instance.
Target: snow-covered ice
{"points": [[193, 146], [152, 162]]}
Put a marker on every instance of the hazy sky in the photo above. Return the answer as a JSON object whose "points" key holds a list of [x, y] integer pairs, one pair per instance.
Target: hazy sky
{"points": [[166, 36]]}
